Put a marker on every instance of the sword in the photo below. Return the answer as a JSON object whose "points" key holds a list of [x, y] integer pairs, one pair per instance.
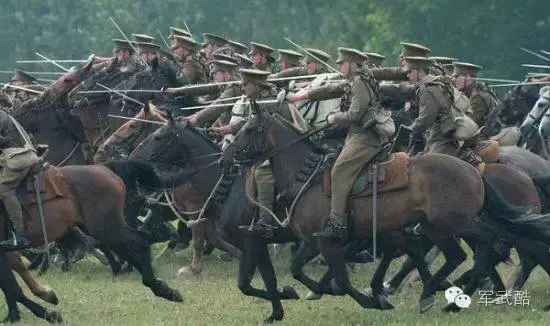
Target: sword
{"points": [[535, 66], [498, 80], [129, 42], [226, 104], [45, 61], [123, 96], [135, 119], [53, 62], [23, 88], [36, 178], [374, 202], [517, 84], [321, 61], [545, 52], [163, 39], [32, 72], [535, 54]]}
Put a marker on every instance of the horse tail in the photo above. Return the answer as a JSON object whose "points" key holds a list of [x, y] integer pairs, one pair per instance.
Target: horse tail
{"points": [[134, 173], [514, 220]]}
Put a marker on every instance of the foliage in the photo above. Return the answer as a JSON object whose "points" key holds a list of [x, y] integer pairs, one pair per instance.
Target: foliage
{"points": [[487, 33]]}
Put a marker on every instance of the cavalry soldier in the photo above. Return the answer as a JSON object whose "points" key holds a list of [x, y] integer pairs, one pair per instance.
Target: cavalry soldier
{"points": [[222, 71], [177, 31], [374, 60], [440, 62], [360, 100], [192, 70], [237, 47], [148, 52], [124, 57], [22, 79], [256, 88], [397, 73], [214, 43], [289, 59], [12, 138], [261, 55], [313, 65], [244, 61], [482, 99]]}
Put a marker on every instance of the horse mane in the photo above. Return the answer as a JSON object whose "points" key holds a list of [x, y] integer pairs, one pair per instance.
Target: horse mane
{"points": [[200, 132], [289, 125]]}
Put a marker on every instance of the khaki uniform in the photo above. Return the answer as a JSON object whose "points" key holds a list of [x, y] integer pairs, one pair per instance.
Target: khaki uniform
{"points": [[265, 182], [360, 146], [268, 66], [193, 71], [9, 178], [481, 101], [434, 105], [213, 113]]}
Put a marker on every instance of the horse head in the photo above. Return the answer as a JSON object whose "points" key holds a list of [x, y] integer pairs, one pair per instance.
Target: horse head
{"points": [[530, 125], [517, 103], [64, 84]]}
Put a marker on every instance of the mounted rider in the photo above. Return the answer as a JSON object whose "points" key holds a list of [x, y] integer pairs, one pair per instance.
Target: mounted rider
{"points": [[15, 97], [314, 63], [192, 70], [359, 104], [174, 31], [16, 158], [237, 48], [482, 98], [262, 56], [289, 59], [374, 60], [214, 44]]}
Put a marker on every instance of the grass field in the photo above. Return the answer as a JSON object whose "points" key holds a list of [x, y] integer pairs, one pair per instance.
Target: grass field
{"points": [[89, 295]]}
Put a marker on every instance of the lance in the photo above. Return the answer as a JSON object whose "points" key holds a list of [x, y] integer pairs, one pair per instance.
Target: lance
{"points": [[545, 52], [52, 62], [226, 99], [135, 119], [126, 38], [535, 66], [45, 61], [517, 84], [163, 39], [535, 54], [32, 72], [313, 56], [123, 96], [23, 88], [536, 74]]}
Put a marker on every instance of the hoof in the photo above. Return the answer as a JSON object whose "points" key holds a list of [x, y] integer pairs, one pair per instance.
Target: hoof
{"points": [[188, 270], [451, 307], [176, 296], [289, 293], [335, 288], [389, 289], [12, 317], [445, 285], [53, 317], [381, 302], [273, 318], [426, 304], [50, 297], [225, 256], [313, 296]]}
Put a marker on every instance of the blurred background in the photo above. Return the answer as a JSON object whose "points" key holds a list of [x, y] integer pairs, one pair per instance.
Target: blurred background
{"points": [[485, 32]]}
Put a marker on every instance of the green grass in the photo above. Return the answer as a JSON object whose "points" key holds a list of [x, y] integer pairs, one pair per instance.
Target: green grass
{"points": [[89, 295]]}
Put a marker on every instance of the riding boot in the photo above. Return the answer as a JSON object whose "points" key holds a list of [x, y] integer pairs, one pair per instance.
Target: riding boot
{"points": [[266, 196], [333, 230], [13, 207]]}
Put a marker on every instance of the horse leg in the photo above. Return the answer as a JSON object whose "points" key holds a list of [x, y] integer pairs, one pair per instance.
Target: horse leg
{"points": [[522, 272], [333, 254], [13, 312], [16, 263], [115, 265], [454, 256], [305, 253], [264, 264], [217, 241], [195, 268], [136, 250]]}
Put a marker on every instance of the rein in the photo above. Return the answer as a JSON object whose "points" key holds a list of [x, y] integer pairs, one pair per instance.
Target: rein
{"points": [[276, 150], [69, 155]]}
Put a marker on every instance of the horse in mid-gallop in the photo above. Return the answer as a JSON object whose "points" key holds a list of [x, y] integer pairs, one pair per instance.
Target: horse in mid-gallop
{"points": [[537, 123]]}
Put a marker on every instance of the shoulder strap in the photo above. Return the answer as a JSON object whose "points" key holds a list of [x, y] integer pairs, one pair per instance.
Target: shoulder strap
{"points": [[21, 131]]}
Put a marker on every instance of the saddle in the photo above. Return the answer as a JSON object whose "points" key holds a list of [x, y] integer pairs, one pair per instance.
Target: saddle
{"points": [[488, 151], [52, 185], [392, 174]]}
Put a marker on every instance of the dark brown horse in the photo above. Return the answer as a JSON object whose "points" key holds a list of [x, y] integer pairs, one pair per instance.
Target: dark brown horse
{"points": [[444, 195], [92, 198]]}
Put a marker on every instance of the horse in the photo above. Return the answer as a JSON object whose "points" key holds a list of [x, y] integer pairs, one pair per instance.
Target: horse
{"points": [[71, 198], [183, 147], [503, 121], [537, 122], [442, 190]]}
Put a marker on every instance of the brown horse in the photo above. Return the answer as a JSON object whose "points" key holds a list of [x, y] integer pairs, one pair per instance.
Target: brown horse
{"points": [[444, 194], [92, 197]]}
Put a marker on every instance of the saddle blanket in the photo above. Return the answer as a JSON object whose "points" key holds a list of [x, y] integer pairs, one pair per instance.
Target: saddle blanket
{"points": [[52, 185], [391, 175]]}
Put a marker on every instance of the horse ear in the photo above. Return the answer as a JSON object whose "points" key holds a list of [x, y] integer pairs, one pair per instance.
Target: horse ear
{"points": [[169, 117]]}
